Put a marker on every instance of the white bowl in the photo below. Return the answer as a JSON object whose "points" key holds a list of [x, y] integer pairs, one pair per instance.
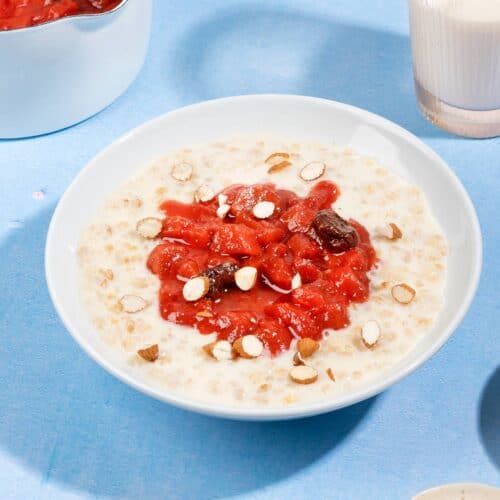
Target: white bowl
{"points": [[294, 116], [58, 73], [462, 491]]}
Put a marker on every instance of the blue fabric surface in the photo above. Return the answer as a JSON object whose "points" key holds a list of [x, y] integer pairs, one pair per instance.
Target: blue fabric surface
{"points": [[70, 430]]}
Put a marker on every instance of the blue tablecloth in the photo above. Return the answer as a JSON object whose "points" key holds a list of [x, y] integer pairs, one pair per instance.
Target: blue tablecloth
{"points": [[70, 430]]}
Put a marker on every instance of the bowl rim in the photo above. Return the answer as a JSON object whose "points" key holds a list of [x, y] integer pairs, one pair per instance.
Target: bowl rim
{"points": [[64, 19], [302, 410]]}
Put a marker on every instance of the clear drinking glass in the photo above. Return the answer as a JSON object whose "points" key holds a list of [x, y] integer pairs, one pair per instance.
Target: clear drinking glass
{"points": [[456, 63]]}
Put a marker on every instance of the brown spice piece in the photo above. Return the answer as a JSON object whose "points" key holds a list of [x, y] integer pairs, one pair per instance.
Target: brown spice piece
{"points": [[334, 231], [149, 353], [307, 347], [330, 374]]}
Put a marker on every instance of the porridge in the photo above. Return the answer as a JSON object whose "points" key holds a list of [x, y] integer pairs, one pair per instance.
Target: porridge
{"points": [[263, 272]]}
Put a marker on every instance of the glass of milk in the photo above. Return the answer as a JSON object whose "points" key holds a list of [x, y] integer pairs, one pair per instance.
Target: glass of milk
{"points": [[456, 62]]}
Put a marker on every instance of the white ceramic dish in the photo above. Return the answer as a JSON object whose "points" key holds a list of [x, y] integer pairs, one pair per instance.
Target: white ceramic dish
{"points": [[303, 118], [460, 491], [59, 73]]}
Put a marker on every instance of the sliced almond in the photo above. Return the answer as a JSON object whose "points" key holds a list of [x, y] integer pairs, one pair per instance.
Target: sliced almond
{"points": [[204, 193], [330, 374], [149, 228], [222, 199], [245, 278], [196, 288], [275, 156], [296, 281], [263, 209], [278, 167], [297, 359], [312, 171], [104, 277], [403, 293], [221, 350], [248, 346], [204, 314], [149, 353], [133, 303], [182, 172], [107, 273], [223, 210], [390, 231], [370, 333], [307, 347], [303, 374]]}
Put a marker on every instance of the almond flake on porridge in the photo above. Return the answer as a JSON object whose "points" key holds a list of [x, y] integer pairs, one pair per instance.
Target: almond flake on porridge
{"points": [[278, 155], [330, 374], [370, 333], [390, 231], [221, 350], [312, 171], [306, 347], [278, 167], [133, 303], [403, 293], [182, 172], [149, 228], [204, 193], [150, 353], [248, 346], [298, 360], [303, 374]]}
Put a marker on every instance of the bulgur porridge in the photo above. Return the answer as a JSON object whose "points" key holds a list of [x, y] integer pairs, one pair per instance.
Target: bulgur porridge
{"points": [[263, 272]]}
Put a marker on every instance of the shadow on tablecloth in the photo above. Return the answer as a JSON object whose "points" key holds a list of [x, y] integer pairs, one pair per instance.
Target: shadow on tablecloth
{"points": [[251, 49], [489, 417], [72, 423]]}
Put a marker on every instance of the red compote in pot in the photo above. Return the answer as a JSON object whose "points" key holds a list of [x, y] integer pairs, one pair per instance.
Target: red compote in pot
{"points": [[16, 14], [303, 264]]}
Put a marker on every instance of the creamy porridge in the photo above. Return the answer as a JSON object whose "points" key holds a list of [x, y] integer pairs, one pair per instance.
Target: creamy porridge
{"points": [[122, 295]]}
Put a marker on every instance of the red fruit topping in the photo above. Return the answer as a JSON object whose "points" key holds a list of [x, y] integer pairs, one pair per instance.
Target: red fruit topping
{"points": [[194, 241]]}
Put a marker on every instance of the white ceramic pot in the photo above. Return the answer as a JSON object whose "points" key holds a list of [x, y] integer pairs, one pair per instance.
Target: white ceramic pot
{"points": [[59, 73]]}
